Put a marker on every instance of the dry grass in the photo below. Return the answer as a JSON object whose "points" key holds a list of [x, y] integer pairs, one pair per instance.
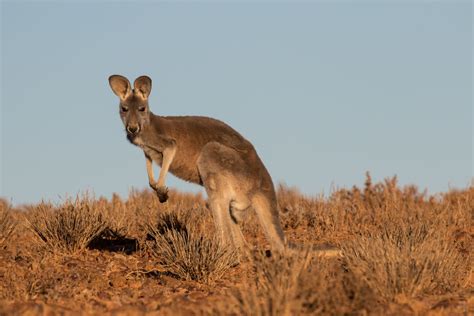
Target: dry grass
{"points": [[275, 287], [406, 260], [407, 243], [405, 252], [69, 227], [297, 284], [7, 224], [187, 252]]}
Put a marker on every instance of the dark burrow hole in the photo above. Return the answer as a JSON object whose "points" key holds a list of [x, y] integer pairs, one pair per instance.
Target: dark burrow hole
{"points": [[110, 241]]}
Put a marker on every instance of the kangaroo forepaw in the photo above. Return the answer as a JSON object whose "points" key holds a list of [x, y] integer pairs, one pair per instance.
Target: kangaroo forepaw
{"points": [[153, 185], [162, 193]]}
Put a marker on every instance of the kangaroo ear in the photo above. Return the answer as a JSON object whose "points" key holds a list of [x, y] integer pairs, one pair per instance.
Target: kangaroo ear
{"points": [[120, 86], [142, 86]]}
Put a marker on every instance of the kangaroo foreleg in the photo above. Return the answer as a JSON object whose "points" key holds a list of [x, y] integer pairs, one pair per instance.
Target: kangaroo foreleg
{"points": [[167, 148], [161, 191], [149, 171], [168, 156]]}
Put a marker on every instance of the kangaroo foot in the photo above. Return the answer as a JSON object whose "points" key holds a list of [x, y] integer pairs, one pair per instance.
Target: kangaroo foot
{"points": [[162, 193]]}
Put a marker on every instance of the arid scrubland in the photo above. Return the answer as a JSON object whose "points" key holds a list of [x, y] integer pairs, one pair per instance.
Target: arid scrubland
{"points": [[404, 253]]}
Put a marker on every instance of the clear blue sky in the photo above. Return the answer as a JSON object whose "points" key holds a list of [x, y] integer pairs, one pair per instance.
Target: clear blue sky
{"points": [[324, 91]]}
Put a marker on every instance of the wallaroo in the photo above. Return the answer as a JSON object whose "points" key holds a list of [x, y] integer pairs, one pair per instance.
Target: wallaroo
{"points": [[204, 151]]}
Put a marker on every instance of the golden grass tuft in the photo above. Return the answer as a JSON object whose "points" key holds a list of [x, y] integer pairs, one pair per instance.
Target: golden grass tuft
{"points": [[7, 224], [275, 287], [403, 242], [409, 260], [296, 284], [187, 252], [69, 227]]}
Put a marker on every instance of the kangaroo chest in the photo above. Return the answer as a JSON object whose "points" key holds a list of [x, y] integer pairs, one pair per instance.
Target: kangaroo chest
{"points": [[155, 155], [183, 166]]}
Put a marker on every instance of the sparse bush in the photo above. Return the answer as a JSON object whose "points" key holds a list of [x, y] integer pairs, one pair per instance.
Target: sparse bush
{"points": [[296, 284], [275, 287], [296, 210], [408, 260], [68, 227], [120, 219], [329, 288], [402, 241], [7, 225], [184, 251]]}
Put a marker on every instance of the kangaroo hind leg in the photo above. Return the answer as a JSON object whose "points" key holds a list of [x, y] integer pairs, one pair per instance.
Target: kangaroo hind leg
{"points": [[220, 168], [267, 212], [219, 206], [225, 216]]}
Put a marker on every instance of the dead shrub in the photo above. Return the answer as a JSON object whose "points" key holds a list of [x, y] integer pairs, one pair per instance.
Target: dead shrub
{"points": [[121, 220], [297, 284], [7, 224], [186, 252], [296, 209], [274, 290], [411, 260], [69, 227], [330, 288]]}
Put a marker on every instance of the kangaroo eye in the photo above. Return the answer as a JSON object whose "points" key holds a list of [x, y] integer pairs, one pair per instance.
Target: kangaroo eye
{"points": [[141, 109], [124, 109]]}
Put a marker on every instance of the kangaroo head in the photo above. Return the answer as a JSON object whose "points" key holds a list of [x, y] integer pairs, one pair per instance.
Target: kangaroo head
{"points": [[134, 110]]}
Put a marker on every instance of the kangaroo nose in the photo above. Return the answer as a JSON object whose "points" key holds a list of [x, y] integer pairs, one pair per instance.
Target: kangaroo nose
{"points": [[132, 129]]}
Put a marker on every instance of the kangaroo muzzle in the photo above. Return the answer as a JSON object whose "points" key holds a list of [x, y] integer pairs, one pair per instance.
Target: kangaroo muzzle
{"points": [[133, 129]]}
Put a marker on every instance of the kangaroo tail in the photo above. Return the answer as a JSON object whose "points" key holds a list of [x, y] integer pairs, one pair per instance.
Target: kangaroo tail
{"points": [[267, 212], [266, 207], [324, 251]]}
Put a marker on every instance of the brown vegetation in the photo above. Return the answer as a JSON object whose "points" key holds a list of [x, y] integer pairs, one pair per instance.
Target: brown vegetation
{"points": [[182, 249], [6, 223], [70, 227], [405, 252]]}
